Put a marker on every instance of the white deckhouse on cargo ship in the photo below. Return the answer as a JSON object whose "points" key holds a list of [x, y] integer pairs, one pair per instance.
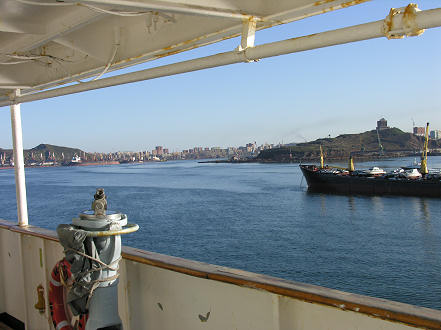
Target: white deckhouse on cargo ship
{"points": [[47, 47]]}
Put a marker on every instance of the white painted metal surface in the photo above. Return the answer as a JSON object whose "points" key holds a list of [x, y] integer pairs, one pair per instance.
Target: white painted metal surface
{"points": [[45, 43], [407, 22], [17, 141], [165, 293]]}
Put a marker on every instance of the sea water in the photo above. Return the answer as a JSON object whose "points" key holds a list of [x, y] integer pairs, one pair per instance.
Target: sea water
{"points": [[256, 217]]}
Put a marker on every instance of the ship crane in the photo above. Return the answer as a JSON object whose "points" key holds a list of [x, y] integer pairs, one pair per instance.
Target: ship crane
{"points": [[423, 168]]}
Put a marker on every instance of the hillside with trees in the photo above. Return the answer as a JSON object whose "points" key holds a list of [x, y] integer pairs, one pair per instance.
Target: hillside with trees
{"points": [[393, 143], [43, 152]]}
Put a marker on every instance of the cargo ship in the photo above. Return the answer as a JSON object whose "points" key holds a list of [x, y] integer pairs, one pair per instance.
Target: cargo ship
{"points": [[340, 181], [406, 181]]}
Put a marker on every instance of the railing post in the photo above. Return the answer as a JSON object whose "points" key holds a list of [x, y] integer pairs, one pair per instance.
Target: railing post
{"points": [[17, 141]]}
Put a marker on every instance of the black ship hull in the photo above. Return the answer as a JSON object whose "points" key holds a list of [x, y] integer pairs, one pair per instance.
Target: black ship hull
{"points": [[326, 181]]}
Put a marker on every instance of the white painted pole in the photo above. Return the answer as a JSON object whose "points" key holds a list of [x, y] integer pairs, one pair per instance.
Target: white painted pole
{"points": [[17, 140], [421, 20]]}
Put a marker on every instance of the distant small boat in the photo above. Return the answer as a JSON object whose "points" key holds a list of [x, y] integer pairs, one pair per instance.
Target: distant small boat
{"points": [[412, 174], [76, 160], [375, 171]]}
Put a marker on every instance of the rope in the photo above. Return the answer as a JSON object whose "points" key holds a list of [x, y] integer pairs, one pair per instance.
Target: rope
{"points": [[95, 283], [97, 260]]}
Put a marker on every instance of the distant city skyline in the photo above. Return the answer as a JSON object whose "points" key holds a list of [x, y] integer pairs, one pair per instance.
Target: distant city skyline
{"points": [[434, 133], [291, 98]]}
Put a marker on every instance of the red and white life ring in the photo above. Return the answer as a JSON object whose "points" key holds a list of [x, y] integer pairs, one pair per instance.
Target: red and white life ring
{"points": [[60, 317]]}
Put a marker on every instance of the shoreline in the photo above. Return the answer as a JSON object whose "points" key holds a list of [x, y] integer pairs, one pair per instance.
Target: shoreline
{"points": [[315, 159], [61, 165]]}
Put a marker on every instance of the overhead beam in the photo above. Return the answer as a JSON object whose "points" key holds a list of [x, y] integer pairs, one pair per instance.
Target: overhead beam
{"points": [[21, 27], [168, 6], [399, 24]]}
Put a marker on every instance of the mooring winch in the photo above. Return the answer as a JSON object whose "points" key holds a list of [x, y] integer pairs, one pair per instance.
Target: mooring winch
{"points": [[89, 272]]}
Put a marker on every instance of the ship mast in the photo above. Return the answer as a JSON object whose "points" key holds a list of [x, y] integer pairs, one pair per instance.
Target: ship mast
{"points": [[322, 162], [423, 168], [351, 164]]}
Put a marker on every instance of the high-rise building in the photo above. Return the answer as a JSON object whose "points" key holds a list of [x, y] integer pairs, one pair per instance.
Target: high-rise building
{"points": [[435, 134], [159, 150], [419, 131]]}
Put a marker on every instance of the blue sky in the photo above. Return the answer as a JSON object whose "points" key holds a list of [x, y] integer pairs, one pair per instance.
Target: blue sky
{"points": [[290, 98]]}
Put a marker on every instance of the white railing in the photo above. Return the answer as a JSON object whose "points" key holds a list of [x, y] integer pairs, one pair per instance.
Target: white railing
{"points": [[163, 292]]}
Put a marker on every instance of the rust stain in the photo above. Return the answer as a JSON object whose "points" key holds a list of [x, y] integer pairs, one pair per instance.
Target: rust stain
{"points": [[352, 3], [128, 285], [409, 26], [168, 49], [319, 3], [204, 318], [180, 47], [173, 52], [388, 20], [409, 17], [304, 37], [41, 304], [342, 5], [218, 10], [41, 257]]}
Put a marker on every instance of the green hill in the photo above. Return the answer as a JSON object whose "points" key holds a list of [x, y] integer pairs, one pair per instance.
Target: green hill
{"points": [[395, 142], [43, 152]]}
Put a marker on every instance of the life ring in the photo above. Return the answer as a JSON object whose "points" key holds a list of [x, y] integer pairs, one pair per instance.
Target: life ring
{"points": [[59, 276]]}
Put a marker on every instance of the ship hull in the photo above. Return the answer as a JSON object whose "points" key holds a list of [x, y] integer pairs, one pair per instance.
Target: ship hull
{"points": [[347, 184]]}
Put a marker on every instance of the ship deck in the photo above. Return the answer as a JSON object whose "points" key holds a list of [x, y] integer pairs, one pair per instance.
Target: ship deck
{"points": [[163, 292]]}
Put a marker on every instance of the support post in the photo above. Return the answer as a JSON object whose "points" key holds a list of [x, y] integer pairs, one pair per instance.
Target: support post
{"points": [[248, 33], [17, 141]]}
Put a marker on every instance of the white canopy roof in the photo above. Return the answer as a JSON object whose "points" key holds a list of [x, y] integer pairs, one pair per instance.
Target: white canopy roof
{"points": [[45, 43], [50, 43]]}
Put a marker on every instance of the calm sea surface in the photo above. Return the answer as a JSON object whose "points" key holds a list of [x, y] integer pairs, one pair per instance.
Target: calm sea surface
{"points": [[257, 217]]}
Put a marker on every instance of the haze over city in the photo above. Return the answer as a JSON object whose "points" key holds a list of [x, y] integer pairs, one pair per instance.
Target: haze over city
{"points": [[291, 98]]}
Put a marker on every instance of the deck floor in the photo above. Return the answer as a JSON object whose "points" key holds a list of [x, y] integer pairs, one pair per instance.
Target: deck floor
{"points": [[5, 327]]}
